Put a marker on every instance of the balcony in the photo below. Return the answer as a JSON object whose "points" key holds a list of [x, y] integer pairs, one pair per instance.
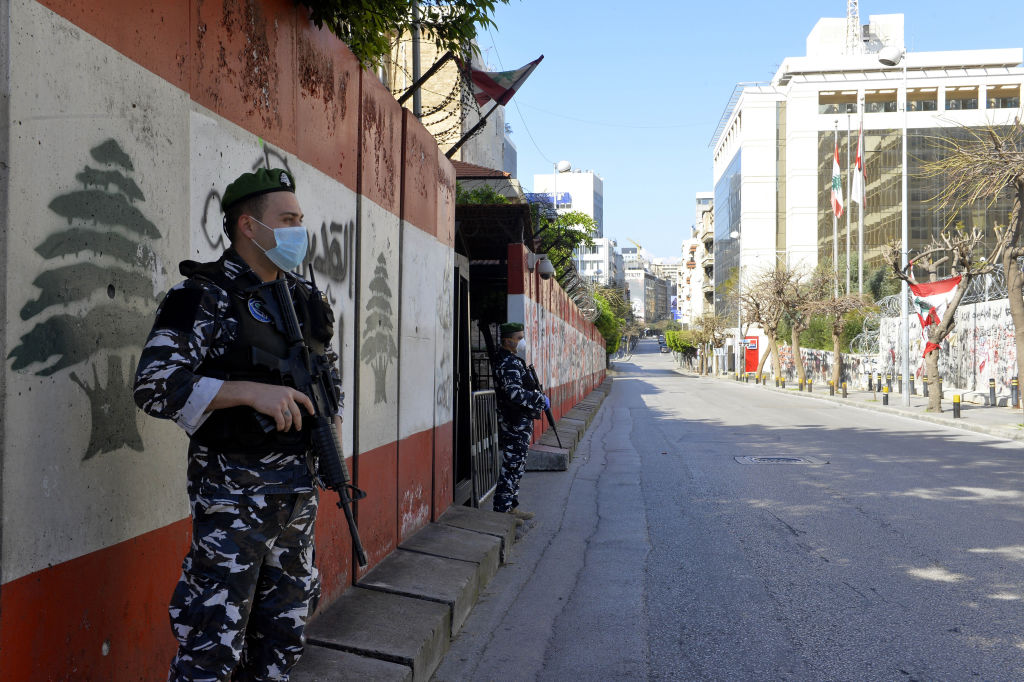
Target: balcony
{"points": [[708, 287], [708, 260], [691, 264]]}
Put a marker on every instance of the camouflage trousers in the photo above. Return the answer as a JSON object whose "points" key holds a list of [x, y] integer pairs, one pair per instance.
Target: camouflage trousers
{"points": [[514, 436], [247, 587]]}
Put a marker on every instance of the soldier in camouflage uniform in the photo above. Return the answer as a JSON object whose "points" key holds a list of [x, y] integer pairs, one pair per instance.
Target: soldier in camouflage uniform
{"points": [[248, 583], [519, 403]]}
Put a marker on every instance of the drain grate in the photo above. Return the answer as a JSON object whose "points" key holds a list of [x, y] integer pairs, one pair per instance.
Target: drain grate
{"points": [[780, 460]]}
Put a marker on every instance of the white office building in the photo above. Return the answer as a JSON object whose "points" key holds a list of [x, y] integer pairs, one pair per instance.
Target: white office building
{"points": [[601, 263], [577, 191], [773, 150]]}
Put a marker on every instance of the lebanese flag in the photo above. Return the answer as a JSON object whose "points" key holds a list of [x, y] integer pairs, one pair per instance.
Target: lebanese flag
{"points": [[857, 193], [932, 299], [837, 185], [500, 85]]}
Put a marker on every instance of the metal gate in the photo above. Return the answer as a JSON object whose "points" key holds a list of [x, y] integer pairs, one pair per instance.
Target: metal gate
{"points": [[486, 456]]}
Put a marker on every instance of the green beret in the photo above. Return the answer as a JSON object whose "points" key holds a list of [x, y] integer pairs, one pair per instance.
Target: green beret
{"points": [[263, 181], [510, 328]]}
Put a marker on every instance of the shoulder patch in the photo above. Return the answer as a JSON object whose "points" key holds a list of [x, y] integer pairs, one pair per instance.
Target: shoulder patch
{"points": [[179, 309]]}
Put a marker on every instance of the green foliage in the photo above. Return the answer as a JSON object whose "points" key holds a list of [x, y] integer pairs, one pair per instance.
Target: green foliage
{"points": [[560, 237], [484, 194], [610, 326], [681, 341], [368, 27], [819, 333], [881, 283]]}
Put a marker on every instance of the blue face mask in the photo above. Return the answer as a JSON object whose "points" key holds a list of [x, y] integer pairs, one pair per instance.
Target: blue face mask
{"points": [[291, 244]]}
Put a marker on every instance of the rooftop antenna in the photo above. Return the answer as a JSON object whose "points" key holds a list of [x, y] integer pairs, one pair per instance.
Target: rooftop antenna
{"points": [[853, 35]]}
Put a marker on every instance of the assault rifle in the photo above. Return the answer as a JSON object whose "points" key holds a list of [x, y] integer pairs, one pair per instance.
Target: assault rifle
{"points": [[547, 410], [314, 379], [492, 355]]}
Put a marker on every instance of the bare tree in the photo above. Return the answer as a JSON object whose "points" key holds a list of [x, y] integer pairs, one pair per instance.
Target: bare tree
{"points": [[833, 307], [709, 332], [980, 168], [797, 292], [764, 303], [959, 245]]}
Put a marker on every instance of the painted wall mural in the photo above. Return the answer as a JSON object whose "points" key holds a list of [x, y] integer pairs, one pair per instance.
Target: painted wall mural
{"points": [[82, 311], [565, 359], [379, 350]]}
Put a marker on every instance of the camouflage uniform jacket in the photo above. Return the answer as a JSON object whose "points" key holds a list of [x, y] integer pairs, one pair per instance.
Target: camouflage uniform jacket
{"points": [[517, 396], [167, 386]]}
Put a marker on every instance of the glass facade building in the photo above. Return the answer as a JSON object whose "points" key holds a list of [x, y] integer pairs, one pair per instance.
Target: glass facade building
{"points": [[728, 204], [883, 212]]}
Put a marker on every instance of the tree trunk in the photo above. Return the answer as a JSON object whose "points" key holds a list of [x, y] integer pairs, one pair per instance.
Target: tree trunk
{"points": [[931, 362], [1014, 279], [837, 361], [764, 358], [776, 360], [798, 359]]}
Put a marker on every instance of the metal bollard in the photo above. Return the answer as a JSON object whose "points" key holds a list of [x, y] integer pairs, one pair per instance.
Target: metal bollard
{"points": [[924, 386], [888, 382], [940, 388], [831, 388], [913, 389], [871, 385], [885, 395], [810, 384], [899, 383], [991, 392], [801, 382], [776, 382], [1014, 393], [782, 382], [844, 389], [956, 406], [878, 381]]}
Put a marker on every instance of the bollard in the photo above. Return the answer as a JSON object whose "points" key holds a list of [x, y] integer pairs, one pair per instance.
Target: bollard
{"points": [[776, 382], [899, 383], [831, 388], [810, 383], [782, 382], [844, 389], [871, 385], [924, 386], [1014, 393], [801, 382], [888, 382], [913, 389], [991, 392], [940, 388], [885, 395], [878, 381], [956, 406]]}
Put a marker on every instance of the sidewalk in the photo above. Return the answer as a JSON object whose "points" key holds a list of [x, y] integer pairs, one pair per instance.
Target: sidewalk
{"points": [[397, 622], [1003, 422]]}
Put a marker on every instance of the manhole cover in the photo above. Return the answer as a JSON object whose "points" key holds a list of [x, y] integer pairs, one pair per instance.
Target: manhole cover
{"points": [[780, 460]]}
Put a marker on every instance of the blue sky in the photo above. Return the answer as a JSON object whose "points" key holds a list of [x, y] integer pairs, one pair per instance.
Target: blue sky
{"points": [[636, 95]]}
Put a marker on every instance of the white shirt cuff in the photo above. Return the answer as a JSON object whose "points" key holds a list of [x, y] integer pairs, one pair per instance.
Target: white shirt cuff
{"points": [[194, 413]]}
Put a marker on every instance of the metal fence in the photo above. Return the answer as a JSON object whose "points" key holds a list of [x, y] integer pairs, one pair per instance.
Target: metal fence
{"points": [[485, 454]]}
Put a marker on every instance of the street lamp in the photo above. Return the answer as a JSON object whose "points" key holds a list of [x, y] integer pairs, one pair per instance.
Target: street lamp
{"points": [[892, 56], [739, 304]]}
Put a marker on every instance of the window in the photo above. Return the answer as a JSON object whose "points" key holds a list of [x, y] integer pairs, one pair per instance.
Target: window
{"points": [[1003, 97], [878, 101], [961, 98], [836, 102], [922, 99]]}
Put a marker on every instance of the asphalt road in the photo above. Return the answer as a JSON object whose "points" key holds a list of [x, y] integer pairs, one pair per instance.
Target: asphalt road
{"points": [[895, 554]]}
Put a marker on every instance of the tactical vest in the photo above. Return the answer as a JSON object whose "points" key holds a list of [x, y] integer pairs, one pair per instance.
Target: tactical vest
{"points": [[237, 428]]}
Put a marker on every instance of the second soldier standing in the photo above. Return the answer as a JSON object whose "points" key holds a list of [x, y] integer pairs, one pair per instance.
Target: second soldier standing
{"points": [[519, 404]]}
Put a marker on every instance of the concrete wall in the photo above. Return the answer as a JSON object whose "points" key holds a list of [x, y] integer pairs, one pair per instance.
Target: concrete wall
{"points": [[123, 124], [566, 350]]}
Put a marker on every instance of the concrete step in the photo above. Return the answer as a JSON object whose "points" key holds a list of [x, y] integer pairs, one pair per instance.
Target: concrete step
{"points": [[451, 542], [501, 526], [411, 632], [320, 664], [547, 458]]}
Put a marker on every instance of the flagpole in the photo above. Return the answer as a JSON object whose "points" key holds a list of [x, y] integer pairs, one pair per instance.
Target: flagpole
{"points": [[425, 77], [472, 131], [860, 209], [835, 220], [849, 195]]}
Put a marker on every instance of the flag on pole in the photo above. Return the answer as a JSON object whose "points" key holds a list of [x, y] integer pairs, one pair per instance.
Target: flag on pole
{"points": [[932, 298], [857, 193], [499, 85], [837, 185]]}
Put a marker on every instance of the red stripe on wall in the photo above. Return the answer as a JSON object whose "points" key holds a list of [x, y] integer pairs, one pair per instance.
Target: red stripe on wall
{"points": [[102, 616], [378, 513], [415, 476]]}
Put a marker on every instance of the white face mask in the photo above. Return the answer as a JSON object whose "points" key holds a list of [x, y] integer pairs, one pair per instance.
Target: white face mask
{"points": [[521, 348]]}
